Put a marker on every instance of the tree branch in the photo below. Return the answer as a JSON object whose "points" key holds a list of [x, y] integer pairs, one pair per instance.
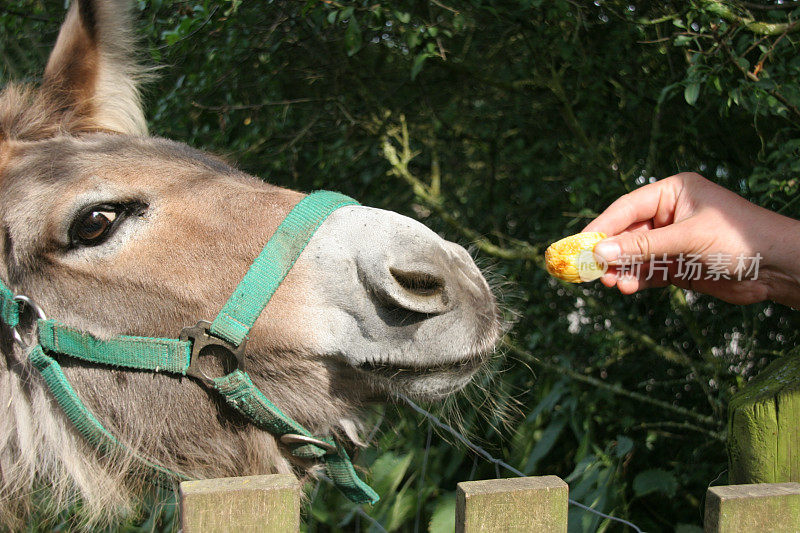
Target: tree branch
{"points": [[431, 197], [242, 107], [616, 389], [760, 28], [773, 7], [750, 76], [655, 130]]}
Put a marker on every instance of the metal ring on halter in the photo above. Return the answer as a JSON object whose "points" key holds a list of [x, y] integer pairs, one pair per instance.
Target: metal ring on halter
{"points": [[36, 309], [294, 438]]}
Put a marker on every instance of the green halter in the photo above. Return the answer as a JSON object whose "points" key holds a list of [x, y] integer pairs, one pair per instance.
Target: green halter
{"points": [[181, 356]]}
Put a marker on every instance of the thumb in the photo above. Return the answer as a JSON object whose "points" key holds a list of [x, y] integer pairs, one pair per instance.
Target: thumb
{"points": [[671, 240]]}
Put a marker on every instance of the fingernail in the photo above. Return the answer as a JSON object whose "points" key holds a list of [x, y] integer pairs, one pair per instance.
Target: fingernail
{"points": [[609, 251]]}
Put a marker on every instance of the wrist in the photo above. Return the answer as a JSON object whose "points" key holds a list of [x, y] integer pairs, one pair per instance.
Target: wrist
{"points": [[781, 267]]}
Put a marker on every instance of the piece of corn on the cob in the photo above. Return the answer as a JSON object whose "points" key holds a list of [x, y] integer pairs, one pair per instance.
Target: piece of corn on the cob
{"points": [[572, 259]]}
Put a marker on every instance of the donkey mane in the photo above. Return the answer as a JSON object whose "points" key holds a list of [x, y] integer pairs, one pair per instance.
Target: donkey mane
{"points": [[45, 465]]}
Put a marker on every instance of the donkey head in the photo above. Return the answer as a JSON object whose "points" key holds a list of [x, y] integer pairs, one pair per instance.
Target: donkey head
{"points": [[114, 232]]}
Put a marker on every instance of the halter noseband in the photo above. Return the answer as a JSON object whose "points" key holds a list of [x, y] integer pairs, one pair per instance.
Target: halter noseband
{"points": [[181, 356]]}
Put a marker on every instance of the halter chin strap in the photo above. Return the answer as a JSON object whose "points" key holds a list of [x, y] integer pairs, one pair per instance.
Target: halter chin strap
{"points": [[181, 356]]}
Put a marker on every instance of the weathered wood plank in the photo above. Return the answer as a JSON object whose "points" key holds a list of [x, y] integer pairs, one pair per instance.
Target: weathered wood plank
{"points": [[766, 507], [241, 504], [764, 426], [789, 433], [510, 505]]}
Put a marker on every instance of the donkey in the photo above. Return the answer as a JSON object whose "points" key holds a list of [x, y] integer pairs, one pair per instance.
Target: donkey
{"points": [[114, 232]]}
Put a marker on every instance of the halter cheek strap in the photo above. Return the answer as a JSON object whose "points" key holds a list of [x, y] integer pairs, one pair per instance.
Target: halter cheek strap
{"points": [[9, 309], [181, 356]]}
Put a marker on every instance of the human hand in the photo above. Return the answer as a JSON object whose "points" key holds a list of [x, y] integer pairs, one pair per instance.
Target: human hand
{"points": [[686, 217]]}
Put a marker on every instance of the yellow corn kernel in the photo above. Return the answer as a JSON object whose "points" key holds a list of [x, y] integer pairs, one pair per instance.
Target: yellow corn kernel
{"points": [[572, 259]]}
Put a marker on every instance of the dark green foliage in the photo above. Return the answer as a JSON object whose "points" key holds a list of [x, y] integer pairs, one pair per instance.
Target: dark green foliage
{"points": [[523, 120]]}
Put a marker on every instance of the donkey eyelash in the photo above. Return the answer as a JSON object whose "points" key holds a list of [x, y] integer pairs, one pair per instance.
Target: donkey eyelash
{"points": [[110, 217]]}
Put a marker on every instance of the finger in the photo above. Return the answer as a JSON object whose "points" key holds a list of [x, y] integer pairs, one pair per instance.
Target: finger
{"points": [[671, 240], [728, 290], [637, 227], [640, 226], [644, 276], [609, 279], [653, 201], [611, 276], [629, 285]]}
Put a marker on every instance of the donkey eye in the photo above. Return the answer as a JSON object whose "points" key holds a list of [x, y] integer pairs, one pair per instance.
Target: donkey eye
{"points": [[96, 225]]}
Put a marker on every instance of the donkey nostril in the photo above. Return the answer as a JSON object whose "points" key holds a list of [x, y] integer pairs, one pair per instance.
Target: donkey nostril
{"points": [[418, 283]]}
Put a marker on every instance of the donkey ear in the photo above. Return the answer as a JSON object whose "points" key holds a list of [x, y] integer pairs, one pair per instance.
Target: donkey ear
{"points": [[91, 74]]}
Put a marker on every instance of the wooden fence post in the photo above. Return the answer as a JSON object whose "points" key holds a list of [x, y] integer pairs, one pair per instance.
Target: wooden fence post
{"points": [[767, 507], [515, 505], [241, 504], [764, 426]]}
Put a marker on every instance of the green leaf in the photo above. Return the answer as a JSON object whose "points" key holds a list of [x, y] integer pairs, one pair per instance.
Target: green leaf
{"points": [[587, 482], [549, 401], [744, 63], [655, 480], [691, 93], [688, 528], [352, 37], [413, 39], [234, 7], [388, 471], [402, 508], [623, 447], [418, 62], [545, 444], [443, 519]]}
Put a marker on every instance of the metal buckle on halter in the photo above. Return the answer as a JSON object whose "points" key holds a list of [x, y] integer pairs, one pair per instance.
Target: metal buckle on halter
{"points": [[294, 438], [201, 339], [39, 314]]}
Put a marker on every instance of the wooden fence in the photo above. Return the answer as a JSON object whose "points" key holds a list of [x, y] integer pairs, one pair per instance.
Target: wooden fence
{"points": [[764, 452], [272, 503]]}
